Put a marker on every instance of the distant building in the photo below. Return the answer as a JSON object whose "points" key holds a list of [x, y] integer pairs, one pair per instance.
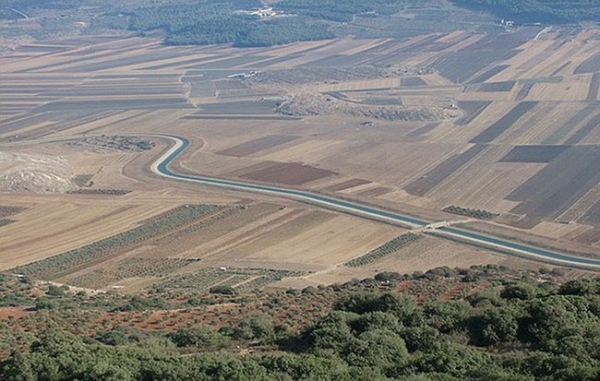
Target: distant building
{"points": [[264, 13]]}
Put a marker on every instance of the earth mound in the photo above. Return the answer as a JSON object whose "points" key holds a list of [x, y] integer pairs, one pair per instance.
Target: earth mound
{"points": [[308, 104], [106, 144], [26, 173]]}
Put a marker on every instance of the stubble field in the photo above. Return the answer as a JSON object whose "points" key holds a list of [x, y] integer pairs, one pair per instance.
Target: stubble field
{"points": [[506, 123]]}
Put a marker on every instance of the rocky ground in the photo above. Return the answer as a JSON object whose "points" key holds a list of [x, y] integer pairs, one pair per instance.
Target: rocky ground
{"points": [[309, 103], [110, 144], [25, 173]]}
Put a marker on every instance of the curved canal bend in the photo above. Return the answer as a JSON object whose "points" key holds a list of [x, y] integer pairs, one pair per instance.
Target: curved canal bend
{"points": [[161, 167]]}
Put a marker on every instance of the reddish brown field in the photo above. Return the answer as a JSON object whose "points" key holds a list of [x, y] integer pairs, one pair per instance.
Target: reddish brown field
{"points": [[288, 174]]}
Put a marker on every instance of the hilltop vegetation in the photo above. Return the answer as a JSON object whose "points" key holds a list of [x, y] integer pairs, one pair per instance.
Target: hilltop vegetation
{"points": [[213, 22], [183, 22], [526, 328], [543, 11], [242, 32]]}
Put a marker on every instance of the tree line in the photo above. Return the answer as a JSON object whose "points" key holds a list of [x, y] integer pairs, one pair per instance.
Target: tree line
{"points": [[542, 11], [516, 331]]}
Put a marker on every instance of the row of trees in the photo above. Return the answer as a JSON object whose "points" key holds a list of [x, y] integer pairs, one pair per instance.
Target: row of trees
{"points": [[384, 250], [53, 266], [475, 213], [520, 331]]}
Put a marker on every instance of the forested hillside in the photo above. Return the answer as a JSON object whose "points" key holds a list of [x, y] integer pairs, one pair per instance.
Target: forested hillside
{"points": [[237, 22], [510, 326], [533, 11], [211, 22], [220, 22]]}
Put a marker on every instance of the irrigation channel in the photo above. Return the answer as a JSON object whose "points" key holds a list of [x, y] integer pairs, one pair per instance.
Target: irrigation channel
{"points": [[161, 167]]}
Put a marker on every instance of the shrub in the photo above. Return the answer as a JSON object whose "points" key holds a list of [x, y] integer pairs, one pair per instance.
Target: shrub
{"points": [[224, 290]]}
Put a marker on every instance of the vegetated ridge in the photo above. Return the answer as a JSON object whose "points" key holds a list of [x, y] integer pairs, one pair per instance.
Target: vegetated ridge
{"points": [[538, 11], [487, 322]]}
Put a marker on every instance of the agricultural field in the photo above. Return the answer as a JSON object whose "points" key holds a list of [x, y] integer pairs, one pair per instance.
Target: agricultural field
{"points": [[308, 190], [504, 123]]}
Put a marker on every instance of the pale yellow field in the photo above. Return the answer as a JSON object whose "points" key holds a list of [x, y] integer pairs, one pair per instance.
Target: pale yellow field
{"points": [[559, 230], [542, 58], [436, 80], [570, 89], [218, 164], [412, 258], [151, 96], [327, 243], [308, 151], [56, 226]]}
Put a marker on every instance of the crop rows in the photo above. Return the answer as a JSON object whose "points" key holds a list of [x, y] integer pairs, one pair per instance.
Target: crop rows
{"points": [[203, 224], [204, 279], [129, 268], [235, 280], [474, 213], [105, 192], [82, 180], [7, 211], [53, 267], [386, 249], [201, 280], [149, 266], [173, 212], [268, 276], [255, 284], [94, 279], [5, 221]]}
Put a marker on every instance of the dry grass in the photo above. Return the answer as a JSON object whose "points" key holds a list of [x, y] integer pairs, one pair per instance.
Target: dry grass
{"points": [[416, 257], [318, 240], [66, 225], [269, 232], [570, 89]]}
